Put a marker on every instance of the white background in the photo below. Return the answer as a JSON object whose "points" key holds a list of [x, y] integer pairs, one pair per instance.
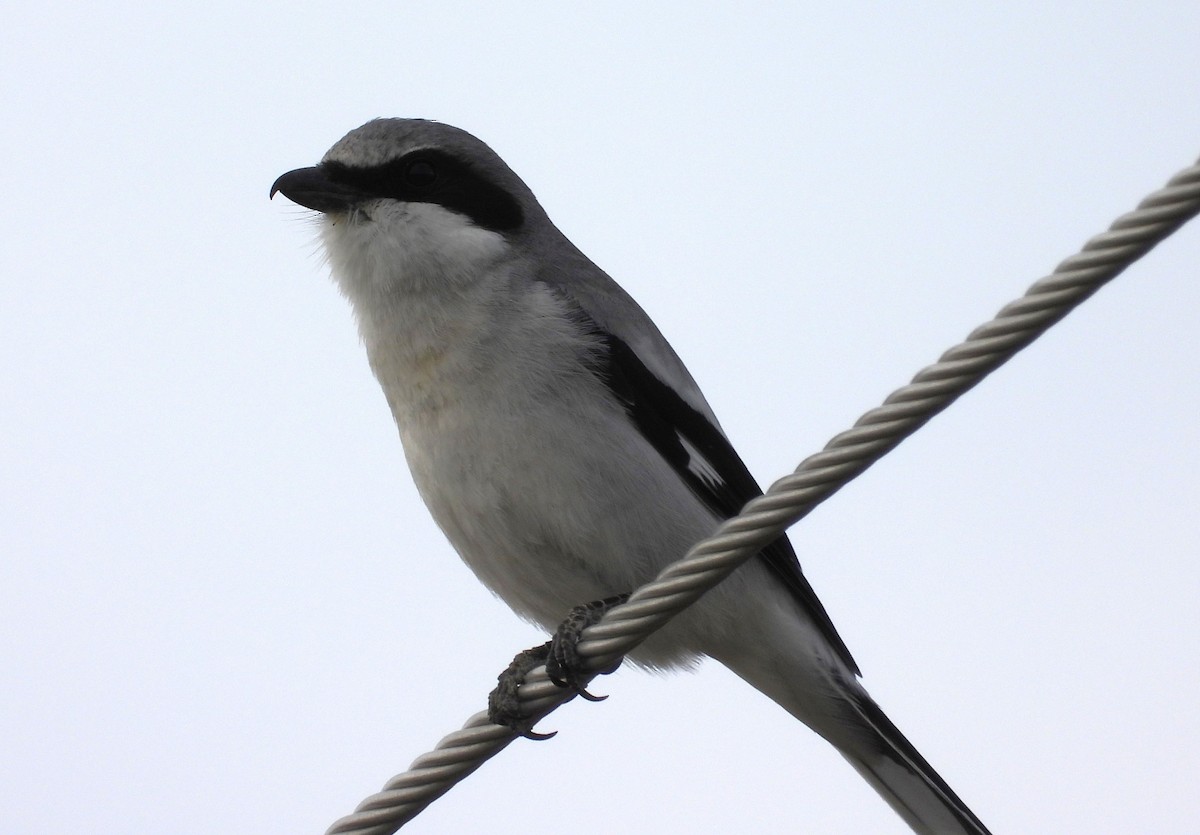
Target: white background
{"points": [[223, 608]]}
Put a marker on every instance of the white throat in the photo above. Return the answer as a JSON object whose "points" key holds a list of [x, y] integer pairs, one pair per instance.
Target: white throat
{"points": [[424, 283]]}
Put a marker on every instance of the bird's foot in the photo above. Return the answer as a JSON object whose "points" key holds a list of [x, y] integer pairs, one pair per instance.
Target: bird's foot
{"points": [[564, 666], [504, 706]]}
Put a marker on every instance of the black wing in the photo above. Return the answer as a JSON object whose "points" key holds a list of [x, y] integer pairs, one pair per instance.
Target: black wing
{"points": [[706, 462]]}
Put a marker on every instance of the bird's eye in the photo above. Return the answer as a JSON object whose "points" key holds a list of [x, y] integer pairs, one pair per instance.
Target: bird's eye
{"points": [[420, 173]]}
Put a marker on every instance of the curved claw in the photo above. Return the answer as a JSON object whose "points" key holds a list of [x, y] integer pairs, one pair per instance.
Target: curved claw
{"points": [[536, 736], [591, 697]]}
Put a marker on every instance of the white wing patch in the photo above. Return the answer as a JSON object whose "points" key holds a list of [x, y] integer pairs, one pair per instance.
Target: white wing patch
{"points": [[701, 467]]}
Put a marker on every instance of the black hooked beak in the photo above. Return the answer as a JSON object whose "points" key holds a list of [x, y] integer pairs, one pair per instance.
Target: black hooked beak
{"points": [[313, 188]]}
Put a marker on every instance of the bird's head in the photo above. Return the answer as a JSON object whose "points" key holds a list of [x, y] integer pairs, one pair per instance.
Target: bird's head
{"points": [[408, 204]]}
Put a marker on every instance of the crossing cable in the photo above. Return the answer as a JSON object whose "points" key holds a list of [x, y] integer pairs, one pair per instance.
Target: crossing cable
{"points": [[794, 496]]}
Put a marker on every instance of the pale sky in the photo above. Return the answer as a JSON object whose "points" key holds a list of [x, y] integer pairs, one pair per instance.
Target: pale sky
{"points": [[223, 607]]}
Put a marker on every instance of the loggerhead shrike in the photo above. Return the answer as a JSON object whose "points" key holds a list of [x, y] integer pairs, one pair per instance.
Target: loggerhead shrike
{"points": [[557, 439]]}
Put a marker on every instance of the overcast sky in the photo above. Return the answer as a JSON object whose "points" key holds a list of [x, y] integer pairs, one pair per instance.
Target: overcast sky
{"points": [[223, 607]]}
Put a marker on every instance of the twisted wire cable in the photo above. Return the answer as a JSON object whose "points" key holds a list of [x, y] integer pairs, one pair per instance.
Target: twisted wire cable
{"points": [[794, 496]]}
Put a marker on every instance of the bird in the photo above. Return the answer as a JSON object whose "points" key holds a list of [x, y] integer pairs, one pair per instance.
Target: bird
{"points": [[558, 440]]}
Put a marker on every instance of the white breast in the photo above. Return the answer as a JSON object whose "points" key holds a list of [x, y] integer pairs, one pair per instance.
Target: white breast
{"points": [[528, 464]]}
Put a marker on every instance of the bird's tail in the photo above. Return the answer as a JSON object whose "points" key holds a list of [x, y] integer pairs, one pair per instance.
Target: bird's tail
{"points": [[802, 672], [896, 770]]}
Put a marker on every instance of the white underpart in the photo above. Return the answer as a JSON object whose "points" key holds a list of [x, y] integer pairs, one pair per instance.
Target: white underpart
{"points": [[536, 474]]}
